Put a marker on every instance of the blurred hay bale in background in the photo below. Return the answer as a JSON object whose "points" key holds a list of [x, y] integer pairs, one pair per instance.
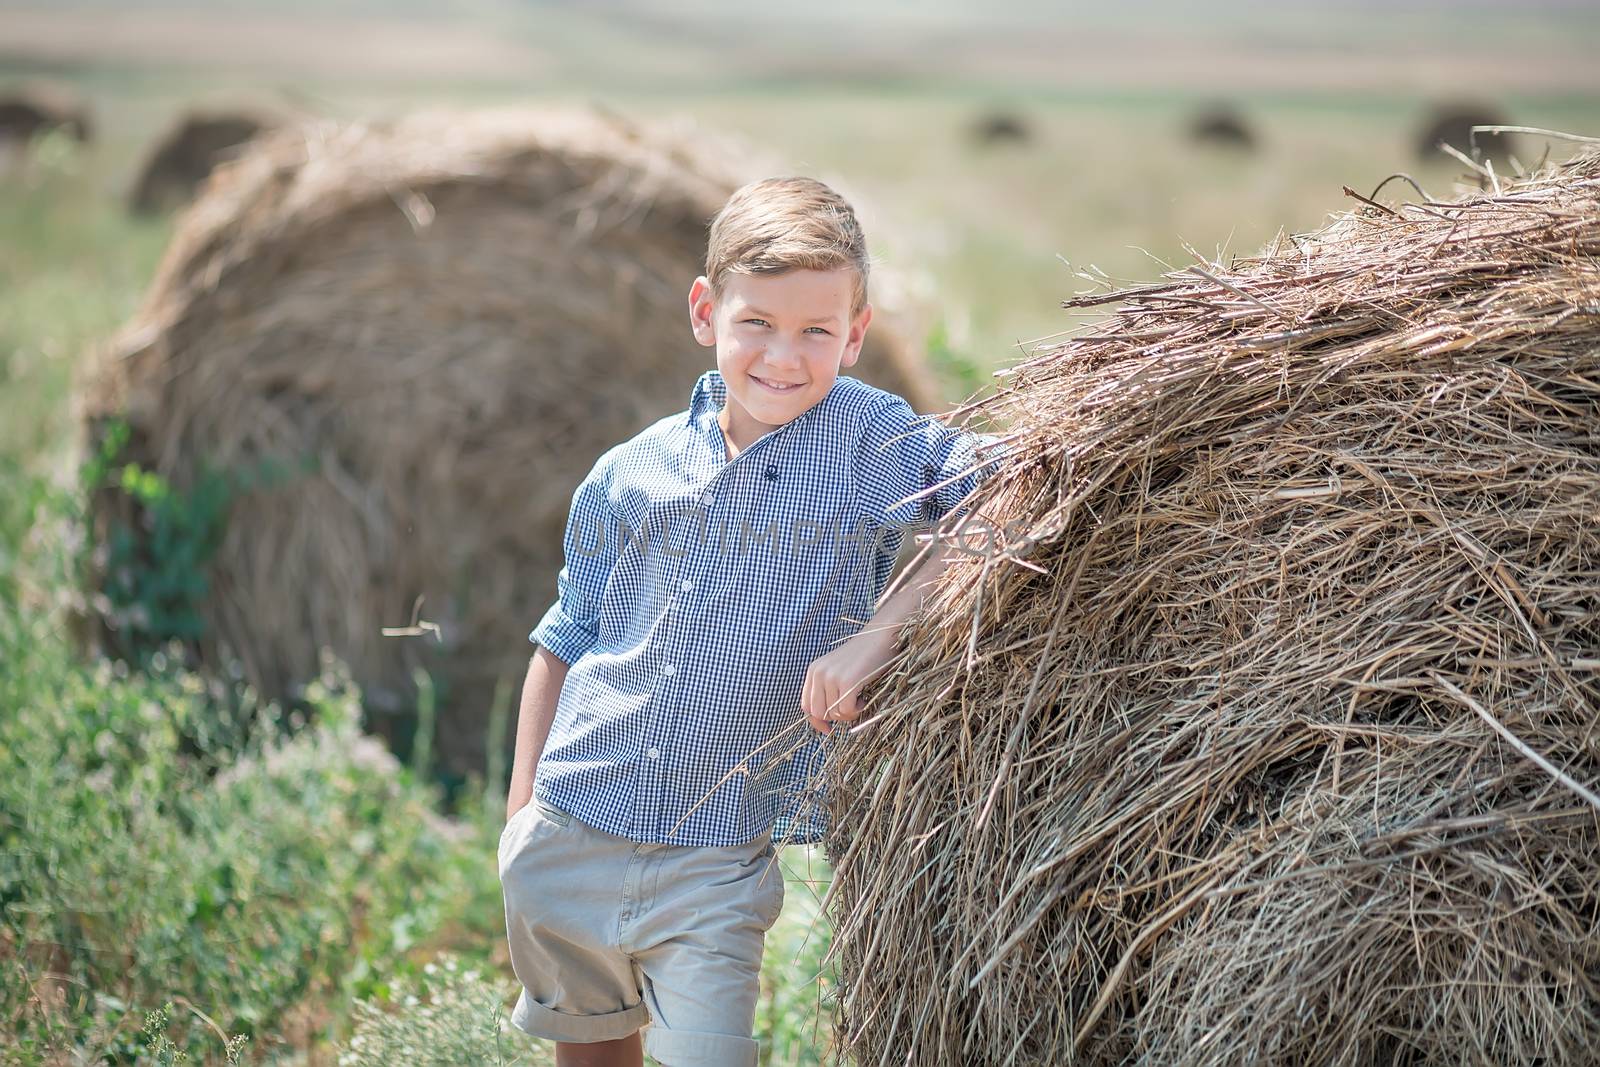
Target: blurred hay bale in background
{"points": [[1273, 733], [994, 128], [187, 154], [33, 107], [1221, 126], [418, 337], [1452, 124]]}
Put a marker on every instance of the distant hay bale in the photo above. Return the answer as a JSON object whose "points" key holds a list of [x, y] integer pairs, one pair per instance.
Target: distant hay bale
{"points": [[34, 107], [1452, 124], [188, 153], [418, 337], [1269, 732], [999, 128], [1221, 126]]}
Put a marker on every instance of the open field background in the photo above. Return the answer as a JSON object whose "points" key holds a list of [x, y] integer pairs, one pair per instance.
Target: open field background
{"points": [[879, 98], [875, 96]]}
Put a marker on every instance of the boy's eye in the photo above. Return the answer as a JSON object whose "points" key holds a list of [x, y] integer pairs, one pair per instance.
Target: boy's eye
{"points": [[820, 330], [761, 321]]}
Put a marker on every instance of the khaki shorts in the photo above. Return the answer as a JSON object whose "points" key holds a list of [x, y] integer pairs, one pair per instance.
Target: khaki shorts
{"points": [[609, 935]]}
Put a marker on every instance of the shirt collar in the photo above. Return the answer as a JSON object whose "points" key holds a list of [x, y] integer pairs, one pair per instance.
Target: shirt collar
{"points": [[709, 393]]}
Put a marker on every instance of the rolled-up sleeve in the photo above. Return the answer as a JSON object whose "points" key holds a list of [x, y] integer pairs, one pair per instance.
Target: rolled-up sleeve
{"points": [[914, 469], [571, 626]]}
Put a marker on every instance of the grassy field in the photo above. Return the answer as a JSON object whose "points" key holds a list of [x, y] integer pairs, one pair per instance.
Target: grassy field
{"points": [[125, 883]]}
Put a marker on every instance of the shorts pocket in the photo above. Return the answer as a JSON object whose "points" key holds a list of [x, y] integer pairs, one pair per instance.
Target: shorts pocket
{"points": [[766, 884], [772, 889], [508, 831], [551, 812]]}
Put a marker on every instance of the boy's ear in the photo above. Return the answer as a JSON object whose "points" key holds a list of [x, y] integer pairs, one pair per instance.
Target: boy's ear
{"points": [[857, 334], [702, 312]]}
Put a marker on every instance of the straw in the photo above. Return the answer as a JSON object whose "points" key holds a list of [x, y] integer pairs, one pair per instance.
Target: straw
{"points": [[1289, 755]]}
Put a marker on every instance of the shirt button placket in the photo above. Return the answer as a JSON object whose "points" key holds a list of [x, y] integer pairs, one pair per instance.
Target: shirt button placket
{"points": [[690, 577], [668, 671], [653, 754]]}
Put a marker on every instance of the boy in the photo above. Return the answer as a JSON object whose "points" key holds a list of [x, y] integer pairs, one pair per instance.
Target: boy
{"points": [[718, 569]]}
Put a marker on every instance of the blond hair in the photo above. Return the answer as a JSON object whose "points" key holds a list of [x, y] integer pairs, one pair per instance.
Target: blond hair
{"points": [[781, 224]]}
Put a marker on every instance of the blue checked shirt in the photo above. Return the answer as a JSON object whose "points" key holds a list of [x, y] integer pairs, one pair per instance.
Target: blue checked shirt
{"points": [[697, 590]]}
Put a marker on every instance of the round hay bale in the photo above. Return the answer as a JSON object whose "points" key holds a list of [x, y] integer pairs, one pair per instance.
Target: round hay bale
{"points": [[187, 154], [1000, 128], [1221, 126], [413, 340], [1452, 124], [1269, 731], [34, 107]]}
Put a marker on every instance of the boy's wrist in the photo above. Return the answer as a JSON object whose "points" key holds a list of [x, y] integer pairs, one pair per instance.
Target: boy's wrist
{"points": [[881, 634]]}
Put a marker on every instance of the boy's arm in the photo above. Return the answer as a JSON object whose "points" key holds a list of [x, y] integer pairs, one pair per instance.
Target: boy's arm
{"points": [[833, 681], [907, 465], [540, 690], [569, 628]]}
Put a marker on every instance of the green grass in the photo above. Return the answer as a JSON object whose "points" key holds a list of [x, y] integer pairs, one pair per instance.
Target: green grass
{"points": [[164, 837], [72, 267]]}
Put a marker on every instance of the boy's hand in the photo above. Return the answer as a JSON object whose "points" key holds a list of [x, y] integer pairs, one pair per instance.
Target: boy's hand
{"points": [[834, 681]]}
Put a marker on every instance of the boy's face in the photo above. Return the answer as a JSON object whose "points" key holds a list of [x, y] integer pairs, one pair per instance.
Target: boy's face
{"points": [[781, 340]]}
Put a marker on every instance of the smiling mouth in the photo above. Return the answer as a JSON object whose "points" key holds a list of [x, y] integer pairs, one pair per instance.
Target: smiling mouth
{"points": [[777, 387]]}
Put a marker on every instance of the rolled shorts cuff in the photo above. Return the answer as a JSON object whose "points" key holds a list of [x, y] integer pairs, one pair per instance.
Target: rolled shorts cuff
{"points": [[700, 1048], [534, 1018]]}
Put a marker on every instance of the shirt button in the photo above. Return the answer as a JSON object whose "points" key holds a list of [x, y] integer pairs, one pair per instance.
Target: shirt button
{"points": [[707, 497], [669, 670], [686, 585], [654, 752]]}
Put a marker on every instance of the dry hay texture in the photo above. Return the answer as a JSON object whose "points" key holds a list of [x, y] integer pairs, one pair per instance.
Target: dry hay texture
{"points": [[186, 155], [420, 336], [1235, 762]]}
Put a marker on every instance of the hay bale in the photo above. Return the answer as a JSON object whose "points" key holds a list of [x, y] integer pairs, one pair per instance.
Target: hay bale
{"points": [[418, 336], [1232, 762], [1221, 126], [1452, 124], [34, 107], [996, 128], [186, 155]]}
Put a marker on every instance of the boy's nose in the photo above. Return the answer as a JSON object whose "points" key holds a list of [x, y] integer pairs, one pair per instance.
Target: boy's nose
{"points": [[782, 356]]}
